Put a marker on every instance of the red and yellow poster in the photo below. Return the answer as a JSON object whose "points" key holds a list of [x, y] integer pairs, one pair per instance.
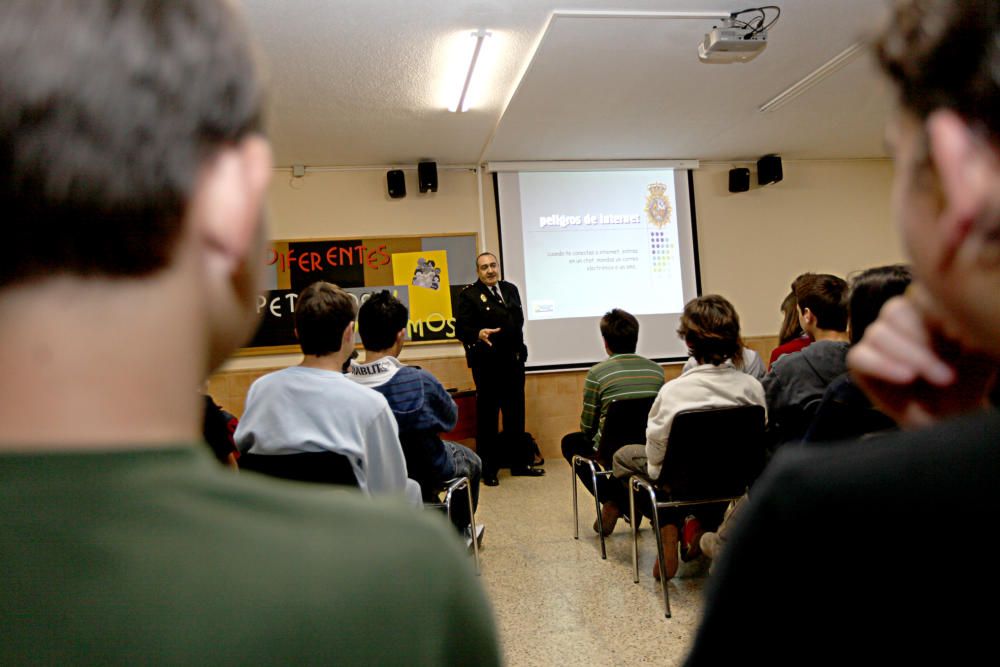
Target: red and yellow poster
{"points": [[425, 273]]}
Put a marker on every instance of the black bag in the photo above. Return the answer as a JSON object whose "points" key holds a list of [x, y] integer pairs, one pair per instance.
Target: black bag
{"points": [[517, 451]]}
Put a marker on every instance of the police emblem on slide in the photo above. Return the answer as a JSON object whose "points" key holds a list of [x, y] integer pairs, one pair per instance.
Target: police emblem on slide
{"points": [[658, 207]]}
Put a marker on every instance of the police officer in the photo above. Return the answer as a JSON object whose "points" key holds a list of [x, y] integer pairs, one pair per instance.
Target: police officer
{"points": [[489, 323]]}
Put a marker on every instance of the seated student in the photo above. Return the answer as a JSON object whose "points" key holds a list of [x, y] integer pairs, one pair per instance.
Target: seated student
{"points": [[711, 329], [791, 338], [795, 384], [422, 407], [313, 407], [623, 375], [133, 181], [846, 412]]}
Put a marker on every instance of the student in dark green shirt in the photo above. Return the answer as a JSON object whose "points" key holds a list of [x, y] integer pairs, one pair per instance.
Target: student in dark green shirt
{"points": [[132, 183]]}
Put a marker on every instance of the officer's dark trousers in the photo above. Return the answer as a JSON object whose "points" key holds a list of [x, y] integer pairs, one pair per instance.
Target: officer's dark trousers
{"points": [[499, 389]]}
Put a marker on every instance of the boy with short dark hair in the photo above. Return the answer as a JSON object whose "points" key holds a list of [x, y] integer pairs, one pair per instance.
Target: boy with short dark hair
{"points": [[796, 382], [422, 407]]}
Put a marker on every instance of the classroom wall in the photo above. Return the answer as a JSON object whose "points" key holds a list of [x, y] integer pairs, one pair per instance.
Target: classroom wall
{"points": [[825, 216], [345, 203]]}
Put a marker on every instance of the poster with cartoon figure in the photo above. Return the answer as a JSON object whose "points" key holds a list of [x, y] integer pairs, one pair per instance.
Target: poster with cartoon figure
{"points": [[425, 273]]}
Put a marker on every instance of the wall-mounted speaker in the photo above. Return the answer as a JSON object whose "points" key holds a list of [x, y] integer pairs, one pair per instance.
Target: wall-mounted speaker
{"points": [[769, 170], [395, 183], [427, 176], [739, 179]]}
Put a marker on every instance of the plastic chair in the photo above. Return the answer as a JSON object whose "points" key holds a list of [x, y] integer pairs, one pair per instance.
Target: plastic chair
{"points": [[712, 457], [312, 467], [624, 424]]}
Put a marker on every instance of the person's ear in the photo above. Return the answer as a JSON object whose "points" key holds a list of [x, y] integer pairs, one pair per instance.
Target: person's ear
{"points": [[965, 166], [347, 340], [225, 225], [228, 203]]}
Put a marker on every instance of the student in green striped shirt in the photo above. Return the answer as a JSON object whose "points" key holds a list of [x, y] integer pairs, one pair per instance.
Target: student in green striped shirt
{"points": [[623, 375]]}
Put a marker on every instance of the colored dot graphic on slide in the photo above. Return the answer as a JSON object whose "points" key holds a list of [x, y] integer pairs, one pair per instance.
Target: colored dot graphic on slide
{"points": [[661, 250]]}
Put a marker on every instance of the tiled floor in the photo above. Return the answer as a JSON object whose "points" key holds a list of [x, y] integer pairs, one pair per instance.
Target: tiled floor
{"points": [[556, 602]]}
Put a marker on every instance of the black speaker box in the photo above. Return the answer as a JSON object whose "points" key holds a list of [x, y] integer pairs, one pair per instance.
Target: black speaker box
{"points": [[769, 170], [427, 176], [395, 183], [739, 179]]}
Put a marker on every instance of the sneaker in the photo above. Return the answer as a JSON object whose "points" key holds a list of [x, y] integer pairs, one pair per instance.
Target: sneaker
{"points": [[691, 541]]}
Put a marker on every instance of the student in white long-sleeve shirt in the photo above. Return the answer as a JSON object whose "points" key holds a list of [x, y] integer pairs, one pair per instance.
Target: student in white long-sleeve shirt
{"points": [[711, 329], [314, 407]]}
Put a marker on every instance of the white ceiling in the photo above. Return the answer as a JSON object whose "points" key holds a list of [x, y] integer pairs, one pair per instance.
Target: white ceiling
{"points": [[356, 82]]}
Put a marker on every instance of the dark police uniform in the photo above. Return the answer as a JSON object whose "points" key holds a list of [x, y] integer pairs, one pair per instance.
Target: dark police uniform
{"points": [[498, 370]]}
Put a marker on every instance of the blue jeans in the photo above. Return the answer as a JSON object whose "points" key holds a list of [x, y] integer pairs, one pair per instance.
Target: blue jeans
{"points": [[465, 463]]}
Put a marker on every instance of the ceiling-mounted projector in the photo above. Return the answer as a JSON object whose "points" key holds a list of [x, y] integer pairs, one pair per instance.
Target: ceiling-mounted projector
{"points": [[732, 44]]}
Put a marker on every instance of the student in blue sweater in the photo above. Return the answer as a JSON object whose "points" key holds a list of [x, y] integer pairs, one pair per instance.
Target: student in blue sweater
{"points": [[422, 406]]}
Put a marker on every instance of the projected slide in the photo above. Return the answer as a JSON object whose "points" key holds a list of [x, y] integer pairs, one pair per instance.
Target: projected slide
{"points": [[598, 238]]}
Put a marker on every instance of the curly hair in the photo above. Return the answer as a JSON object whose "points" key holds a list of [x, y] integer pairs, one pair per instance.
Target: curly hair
{"points": [[711, 329]]}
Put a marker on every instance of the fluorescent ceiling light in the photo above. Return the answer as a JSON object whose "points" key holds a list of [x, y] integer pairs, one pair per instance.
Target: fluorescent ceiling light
{"points": [[463, 99], [811, 79]]}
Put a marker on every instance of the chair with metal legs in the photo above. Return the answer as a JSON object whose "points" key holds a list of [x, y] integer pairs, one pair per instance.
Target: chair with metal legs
{"points": [[712, 457], [624, 423], [418, 449], [450, 488]]}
